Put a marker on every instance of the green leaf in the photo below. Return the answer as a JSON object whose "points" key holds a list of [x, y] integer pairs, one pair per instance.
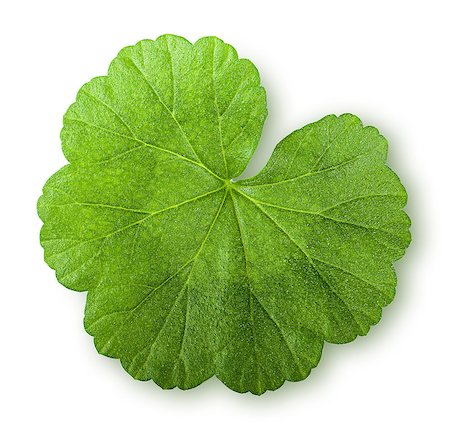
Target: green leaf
{"points": [[190, 274]]}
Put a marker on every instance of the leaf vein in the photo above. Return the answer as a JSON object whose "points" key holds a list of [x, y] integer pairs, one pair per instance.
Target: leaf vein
{"points": [[168, 110], [141, 220]]}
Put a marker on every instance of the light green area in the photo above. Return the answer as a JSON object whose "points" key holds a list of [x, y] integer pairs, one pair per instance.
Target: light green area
{"points": [[191, 275]]}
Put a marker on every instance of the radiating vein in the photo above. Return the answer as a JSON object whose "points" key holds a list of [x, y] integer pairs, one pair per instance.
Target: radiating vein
{"points": [[172, 74], [191, 261], [106, 206], [295, 357], [167, 108], [319, 213], [154, 213], [143, 143], [241, 235], [219, 117], [310, 173]]}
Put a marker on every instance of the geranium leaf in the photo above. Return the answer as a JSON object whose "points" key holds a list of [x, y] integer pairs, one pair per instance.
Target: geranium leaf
{"points": [[190, 274]]}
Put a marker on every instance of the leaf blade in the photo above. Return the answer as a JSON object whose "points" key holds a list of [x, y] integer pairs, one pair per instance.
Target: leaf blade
{"points": [[189, 275]]}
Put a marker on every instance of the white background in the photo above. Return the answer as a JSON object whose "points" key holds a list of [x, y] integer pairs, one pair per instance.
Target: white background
{"points": [[386, 61]]}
